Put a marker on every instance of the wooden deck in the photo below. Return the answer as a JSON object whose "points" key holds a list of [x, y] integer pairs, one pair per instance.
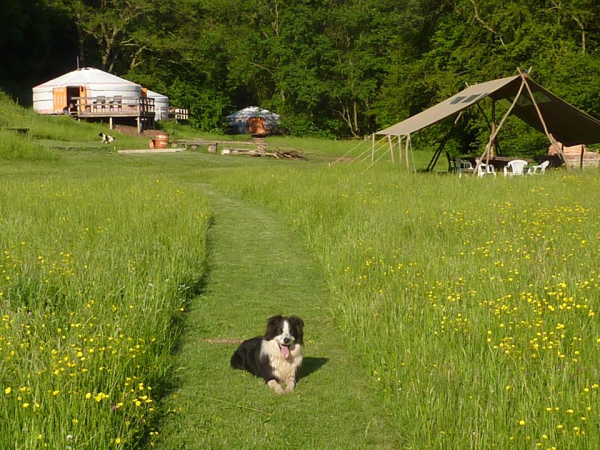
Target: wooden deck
{"points": [[139, 108]]}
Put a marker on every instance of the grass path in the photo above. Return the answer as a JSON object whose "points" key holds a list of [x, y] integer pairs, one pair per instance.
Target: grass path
{"points": [[258, 268]]}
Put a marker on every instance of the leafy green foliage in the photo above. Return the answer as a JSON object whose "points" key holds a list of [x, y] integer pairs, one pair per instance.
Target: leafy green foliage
{"points": [[337, 68]]}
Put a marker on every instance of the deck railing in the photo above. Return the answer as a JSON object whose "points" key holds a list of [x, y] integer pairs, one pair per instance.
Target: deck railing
{"points": [[179, 114], [114, 106]]}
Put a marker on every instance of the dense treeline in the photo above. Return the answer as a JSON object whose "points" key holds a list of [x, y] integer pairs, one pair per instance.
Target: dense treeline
{"points": [[336, 67]]}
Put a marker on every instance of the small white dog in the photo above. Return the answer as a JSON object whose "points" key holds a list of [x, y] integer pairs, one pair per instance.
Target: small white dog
{"points": [[107, 138]]}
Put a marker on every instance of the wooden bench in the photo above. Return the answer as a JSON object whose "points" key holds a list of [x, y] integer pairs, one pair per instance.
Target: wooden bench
{"points": [[18, 130]]}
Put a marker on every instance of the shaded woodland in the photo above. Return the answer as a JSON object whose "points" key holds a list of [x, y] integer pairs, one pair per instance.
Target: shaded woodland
{"points": [[329, 67]]}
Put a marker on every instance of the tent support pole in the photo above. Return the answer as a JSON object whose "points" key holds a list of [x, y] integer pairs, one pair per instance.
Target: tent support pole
{"points": [[391, 149], [495, 133], [400, 149], [493, 146], [438, 152], [553, 141], [373, 148], [487, 120], [406, 155]]}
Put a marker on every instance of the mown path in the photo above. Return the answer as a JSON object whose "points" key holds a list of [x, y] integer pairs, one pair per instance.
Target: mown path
{"points": [[258, 268]]}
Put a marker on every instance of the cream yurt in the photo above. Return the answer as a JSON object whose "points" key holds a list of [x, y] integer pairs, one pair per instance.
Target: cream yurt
{"points": [[161, 105], [53, 96]]}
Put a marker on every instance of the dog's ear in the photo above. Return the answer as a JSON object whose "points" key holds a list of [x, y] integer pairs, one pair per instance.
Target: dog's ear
{"points": [[298, 325], [100, 134], [297, 321], [272, 327]]}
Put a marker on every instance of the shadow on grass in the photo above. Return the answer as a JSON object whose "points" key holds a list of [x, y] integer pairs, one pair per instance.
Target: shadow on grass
{"points": [[311, 365]]}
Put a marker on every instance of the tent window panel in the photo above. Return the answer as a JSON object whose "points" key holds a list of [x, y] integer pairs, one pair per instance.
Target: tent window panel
{"points": [[540, 97], [471, 98], [456, 100], [523, 101]]}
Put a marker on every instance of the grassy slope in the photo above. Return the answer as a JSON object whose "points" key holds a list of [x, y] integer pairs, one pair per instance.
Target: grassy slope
{"points": [[257, 269]]}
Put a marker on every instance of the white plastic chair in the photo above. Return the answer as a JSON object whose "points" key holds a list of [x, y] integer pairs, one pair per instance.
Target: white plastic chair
{"points": [[539, 169], [464, 166], [485, 169], [515, 167]]}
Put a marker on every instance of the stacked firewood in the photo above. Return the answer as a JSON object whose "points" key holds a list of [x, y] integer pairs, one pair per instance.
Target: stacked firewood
{"points": [[277, 154]]}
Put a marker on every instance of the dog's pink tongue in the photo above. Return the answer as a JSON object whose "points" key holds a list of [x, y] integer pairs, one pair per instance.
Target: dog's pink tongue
{"points": [[285, 351]]}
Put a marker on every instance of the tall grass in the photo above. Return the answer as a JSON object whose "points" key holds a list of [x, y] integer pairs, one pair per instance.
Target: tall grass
{"points": [[94, 273], [14, 146], [472, 302]]}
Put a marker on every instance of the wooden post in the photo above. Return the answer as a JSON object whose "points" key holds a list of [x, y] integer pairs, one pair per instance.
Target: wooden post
{"points": [[110, 123], [391, 149]]}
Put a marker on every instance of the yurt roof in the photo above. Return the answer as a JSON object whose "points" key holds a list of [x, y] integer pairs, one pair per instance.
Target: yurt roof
{"points": [[86, 76], [252, 111], [155, 95]]}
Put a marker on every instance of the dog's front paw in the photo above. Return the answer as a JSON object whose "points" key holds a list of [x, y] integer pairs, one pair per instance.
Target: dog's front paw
{"points": [[289, 387], [276, 387]]}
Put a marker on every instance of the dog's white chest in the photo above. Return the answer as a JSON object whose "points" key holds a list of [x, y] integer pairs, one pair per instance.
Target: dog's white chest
{"points": [[283, 368]]}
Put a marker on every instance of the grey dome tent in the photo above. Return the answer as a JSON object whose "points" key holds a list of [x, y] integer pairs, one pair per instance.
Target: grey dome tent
{"points": [[240, 121]]}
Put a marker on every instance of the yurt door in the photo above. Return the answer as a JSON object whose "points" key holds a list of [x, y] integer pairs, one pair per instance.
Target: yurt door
{"points": [[59, 95], [82, 98]]}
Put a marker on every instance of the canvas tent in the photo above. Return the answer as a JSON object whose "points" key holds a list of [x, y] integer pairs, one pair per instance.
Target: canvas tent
{"points": [[240, 121], [536, 106], [54, 95]]}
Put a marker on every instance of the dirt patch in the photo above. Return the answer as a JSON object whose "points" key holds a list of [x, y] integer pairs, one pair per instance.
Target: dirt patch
{"points": [[223, 341], [132, 131]]}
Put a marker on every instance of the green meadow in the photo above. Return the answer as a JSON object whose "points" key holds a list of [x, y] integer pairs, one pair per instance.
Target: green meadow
{"points": [[449, 313]]}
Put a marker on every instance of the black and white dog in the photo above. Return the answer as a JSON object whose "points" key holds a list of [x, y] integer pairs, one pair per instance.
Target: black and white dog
{"points": [[276, 356], [107, 138]]}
